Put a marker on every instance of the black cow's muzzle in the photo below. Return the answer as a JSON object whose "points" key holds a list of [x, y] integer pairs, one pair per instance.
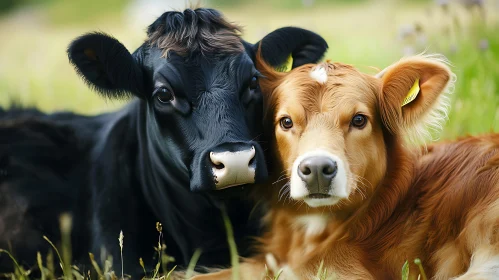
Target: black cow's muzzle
{"points": [[236, 163]]}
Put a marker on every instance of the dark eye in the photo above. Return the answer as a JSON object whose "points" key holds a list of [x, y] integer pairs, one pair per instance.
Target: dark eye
{"points": [[164, 95], [359, 121], [286, 123], [254, 82]]}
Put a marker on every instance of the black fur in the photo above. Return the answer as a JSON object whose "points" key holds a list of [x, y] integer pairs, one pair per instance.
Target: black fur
{"points": [[304, 46], [106, 65], [147, 162]]}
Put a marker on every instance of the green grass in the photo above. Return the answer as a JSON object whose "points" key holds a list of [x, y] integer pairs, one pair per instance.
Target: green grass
{"points": [[476, 100]]}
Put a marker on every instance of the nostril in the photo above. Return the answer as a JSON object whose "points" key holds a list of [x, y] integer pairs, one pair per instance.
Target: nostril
{"points": [[252, 156], [218, 166], [330, 169], [305, 170], [216, 162]]}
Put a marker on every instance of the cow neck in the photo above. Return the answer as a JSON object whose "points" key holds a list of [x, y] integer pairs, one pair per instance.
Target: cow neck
{"points": [[164, 182]]}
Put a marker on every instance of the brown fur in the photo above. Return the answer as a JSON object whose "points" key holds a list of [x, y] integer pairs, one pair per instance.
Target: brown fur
{"points": [[439, 204]]}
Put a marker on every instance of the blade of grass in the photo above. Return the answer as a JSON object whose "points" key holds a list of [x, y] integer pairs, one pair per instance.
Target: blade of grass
{"points": [[234, 256], [16, 264], [192, 264], [77, 275], [421, 269], [141, 262], [56, 251], [108, 265], [405, 271], [156, 270], [66, 222], [319, 271], [50, 263], [95, 265], [40, 266], [120, 239], [168, 275], [279, 274]]}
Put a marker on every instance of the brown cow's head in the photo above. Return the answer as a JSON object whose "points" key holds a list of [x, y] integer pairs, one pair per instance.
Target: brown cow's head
{"points": [[331, 124]]}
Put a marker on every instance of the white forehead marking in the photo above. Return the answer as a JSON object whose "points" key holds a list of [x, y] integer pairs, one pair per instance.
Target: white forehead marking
{"points": [[319, 73]]}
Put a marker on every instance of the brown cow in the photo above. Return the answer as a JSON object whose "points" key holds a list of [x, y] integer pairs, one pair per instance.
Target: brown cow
{"points": [[355, 200]]}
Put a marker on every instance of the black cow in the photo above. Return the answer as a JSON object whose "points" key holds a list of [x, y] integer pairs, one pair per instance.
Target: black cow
{"points": [[191, 131]]}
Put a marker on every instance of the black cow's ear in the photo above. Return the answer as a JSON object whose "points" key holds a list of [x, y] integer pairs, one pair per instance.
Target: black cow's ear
{"points": [[304, 46], [106, 65]]}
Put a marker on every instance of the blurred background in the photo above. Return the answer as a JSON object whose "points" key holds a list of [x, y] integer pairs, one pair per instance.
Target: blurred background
{"points": [[34, 34]]}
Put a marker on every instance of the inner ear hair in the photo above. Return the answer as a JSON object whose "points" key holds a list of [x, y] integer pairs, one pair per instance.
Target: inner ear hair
{"points": [[421, 117]]}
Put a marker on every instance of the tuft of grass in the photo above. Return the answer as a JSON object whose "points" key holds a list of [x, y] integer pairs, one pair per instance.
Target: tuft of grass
{"points": [[74, 272], [270, 276], [19, 272], [323, 274]]}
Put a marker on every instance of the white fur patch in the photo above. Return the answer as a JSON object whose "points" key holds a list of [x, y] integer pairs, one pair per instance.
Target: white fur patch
{"points": [[319, 74], [484, 265], [337, 190], [314, 224]]}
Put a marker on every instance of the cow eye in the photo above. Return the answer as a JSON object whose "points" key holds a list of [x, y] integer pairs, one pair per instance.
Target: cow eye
{"points": [[286, 123], [254, 82], [164, 95], [359, 121]]}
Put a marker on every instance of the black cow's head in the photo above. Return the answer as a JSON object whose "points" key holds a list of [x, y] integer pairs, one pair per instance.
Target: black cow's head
{"points": [[198, 79]]}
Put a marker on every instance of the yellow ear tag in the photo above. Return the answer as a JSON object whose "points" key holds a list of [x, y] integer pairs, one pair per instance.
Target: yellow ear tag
{"points": [[413, 93], [286, 66]]}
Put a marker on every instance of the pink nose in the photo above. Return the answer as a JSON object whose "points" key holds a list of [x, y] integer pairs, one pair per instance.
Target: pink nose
{"points": [[233, 168]]}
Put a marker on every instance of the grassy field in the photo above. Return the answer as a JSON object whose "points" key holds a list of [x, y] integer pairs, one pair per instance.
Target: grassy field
{"points": [[34, 69]]}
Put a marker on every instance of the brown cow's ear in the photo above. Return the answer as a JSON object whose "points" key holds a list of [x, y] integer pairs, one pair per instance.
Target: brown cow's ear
{"points": [[413, 95], [271, 75]]}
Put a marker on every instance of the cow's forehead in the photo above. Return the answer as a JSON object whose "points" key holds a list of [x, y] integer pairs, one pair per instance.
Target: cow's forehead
{"points": [[197, 74]]}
